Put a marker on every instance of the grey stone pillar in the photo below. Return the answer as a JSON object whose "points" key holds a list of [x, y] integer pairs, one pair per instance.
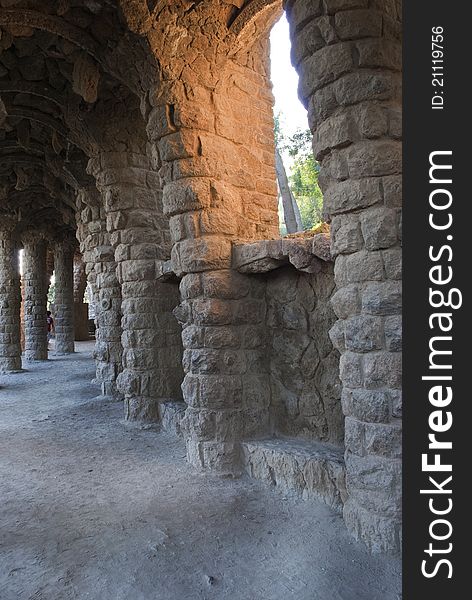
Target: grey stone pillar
{"points": [[64, 317], [100, 267], [152, 371], [10, 350], [348, 55], [35, 296]]}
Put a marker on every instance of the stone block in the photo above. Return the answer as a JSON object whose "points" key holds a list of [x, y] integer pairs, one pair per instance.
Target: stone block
{"points": [[333, 6], [372, 120], [396, 397], [372, 473], [323, 67], [379, 227], [225, 284], [363, 85], [354, 436], [346, 301], [258, 257], [191, 286], [327, 29], [392, 258], [350, 370], [383, 440], [305, 469], [354, 24], [186, 195], [221, 337], [321, 246], [220, 457], [220, 391], [379, 533], [337, 337], [171, 414], [382, 298], [363, 333], [374, 158], [308, 41], [300, 12], [337, 130], [383, 369], [212, 311], [300, 255], [204, 254], [359, 267], [393, 333], [379, 53], [346, 234], [370, 406], [206, 361], [345, 196]]}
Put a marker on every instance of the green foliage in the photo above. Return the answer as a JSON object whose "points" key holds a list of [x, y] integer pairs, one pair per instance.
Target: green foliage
{"points": [[305, 187], [303, 175]]}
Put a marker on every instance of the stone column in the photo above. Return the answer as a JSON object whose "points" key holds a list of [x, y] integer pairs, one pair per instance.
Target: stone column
{"points": [[348, 55], [35, 296], [64, 305], [100, 266], [10, 350], [213, 132], [138, 231]]}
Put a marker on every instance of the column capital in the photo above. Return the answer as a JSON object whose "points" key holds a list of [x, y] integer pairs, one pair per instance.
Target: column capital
{"points": [[33, 236], [8, 222]]}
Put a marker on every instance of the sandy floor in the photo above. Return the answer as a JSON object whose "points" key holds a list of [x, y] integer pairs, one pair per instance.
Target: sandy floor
{"points": [[91, 509]]}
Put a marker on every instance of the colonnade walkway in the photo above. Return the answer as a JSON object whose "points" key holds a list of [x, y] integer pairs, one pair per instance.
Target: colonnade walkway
{"points": [[93, 509]]}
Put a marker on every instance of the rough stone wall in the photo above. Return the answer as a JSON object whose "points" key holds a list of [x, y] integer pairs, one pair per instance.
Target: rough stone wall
{"points": [[348, 54], [304, 366]]}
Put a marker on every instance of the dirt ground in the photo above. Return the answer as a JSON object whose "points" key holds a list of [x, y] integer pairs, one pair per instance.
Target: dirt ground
{"points": [[91, 509]]}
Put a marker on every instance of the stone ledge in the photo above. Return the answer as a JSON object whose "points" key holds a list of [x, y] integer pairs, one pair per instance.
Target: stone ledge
{"points": [[311, 470], [305, 254]]}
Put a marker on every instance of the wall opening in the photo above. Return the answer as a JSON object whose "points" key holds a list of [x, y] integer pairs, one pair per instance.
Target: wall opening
{"points": [[300, 200]]}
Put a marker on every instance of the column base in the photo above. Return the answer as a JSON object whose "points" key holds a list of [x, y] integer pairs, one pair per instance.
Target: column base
{"points": [[64, 351], [142, 409], [222, 458], [11, 365], [33, 359]]}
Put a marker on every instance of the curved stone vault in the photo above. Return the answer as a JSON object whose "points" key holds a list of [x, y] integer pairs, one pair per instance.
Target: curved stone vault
{"points": [[136, 142]]}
